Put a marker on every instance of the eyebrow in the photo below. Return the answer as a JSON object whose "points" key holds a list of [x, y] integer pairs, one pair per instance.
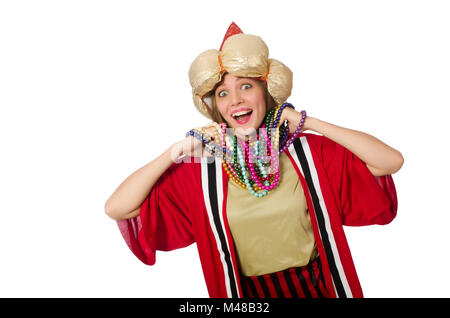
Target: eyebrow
{"points": [[218, 88], [239, 79]]}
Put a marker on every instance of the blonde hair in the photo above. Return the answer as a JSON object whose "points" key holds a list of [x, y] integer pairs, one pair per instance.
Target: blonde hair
{"points": [[217, 117]]}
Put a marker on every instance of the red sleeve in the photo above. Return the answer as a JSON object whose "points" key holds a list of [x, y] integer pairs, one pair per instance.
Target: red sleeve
{"points": [[164, 221], [363, 199]]}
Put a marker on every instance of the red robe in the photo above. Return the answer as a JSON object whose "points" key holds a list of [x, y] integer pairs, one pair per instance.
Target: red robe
{"points": [[188, 204]]}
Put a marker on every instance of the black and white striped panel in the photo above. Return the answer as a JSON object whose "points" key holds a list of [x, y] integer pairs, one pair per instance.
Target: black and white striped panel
{"points": [[301, 153], [212, 183]]}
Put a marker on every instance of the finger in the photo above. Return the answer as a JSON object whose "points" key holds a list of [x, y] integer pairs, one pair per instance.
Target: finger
{"points": [[186, 145], [208, 132]]}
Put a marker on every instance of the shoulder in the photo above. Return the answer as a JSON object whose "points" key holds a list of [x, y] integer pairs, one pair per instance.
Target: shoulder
{"points": [[182, 176], [190, 166], [183, 168], [314, 141], [310, 137], [321, 147]]}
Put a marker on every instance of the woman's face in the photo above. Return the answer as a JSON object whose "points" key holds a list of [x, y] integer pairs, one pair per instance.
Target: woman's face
{"points": [[244, 98]]}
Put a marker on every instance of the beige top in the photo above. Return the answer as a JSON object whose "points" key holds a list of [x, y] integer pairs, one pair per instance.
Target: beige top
{"points": [[274, 232]]}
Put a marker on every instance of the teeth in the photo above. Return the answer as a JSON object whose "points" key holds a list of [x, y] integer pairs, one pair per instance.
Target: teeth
{"points": [[241, 113]]}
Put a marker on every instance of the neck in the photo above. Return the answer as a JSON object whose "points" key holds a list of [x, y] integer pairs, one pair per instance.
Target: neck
{"points": [[245, 134]]}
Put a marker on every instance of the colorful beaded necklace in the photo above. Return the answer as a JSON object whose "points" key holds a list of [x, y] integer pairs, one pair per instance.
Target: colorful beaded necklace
{"points": [[239, 156]]}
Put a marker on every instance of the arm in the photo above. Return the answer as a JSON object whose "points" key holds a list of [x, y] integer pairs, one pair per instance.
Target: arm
{"points": [[379, 158], [162, 219], [127, 199]]}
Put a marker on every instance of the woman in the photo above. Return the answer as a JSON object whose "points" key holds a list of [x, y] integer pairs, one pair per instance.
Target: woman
{"points": [[267, 212]]}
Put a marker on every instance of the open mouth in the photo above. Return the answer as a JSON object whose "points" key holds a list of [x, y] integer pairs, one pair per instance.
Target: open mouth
{"points": [[243, 116]]}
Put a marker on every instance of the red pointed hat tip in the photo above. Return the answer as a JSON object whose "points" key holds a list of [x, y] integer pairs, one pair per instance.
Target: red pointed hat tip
{"points": [[232, 30]]}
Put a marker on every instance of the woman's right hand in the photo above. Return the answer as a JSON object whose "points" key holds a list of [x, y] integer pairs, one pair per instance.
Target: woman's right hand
{"points": [[191, 146]]}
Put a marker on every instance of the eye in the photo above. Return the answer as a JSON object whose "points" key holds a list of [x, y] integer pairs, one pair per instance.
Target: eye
{"points": [[246, 86], [222, 94]]}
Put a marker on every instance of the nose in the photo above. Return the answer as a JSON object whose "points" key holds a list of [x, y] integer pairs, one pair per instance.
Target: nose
{"points": [[236, 98]]}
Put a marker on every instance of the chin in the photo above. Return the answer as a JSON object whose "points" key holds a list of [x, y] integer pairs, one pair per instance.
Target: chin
{"points": [[246, 130]]}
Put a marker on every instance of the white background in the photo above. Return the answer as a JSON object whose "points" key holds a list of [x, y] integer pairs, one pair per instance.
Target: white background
{"points": [[92, 90]]}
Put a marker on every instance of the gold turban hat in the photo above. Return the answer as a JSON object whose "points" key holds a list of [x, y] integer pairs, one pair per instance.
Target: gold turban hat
{"points": [[242, 55]]}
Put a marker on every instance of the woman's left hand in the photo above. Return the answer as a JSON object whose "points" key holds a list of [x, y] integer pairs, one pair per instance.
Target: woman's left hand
{"points": [[293, 117]]}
